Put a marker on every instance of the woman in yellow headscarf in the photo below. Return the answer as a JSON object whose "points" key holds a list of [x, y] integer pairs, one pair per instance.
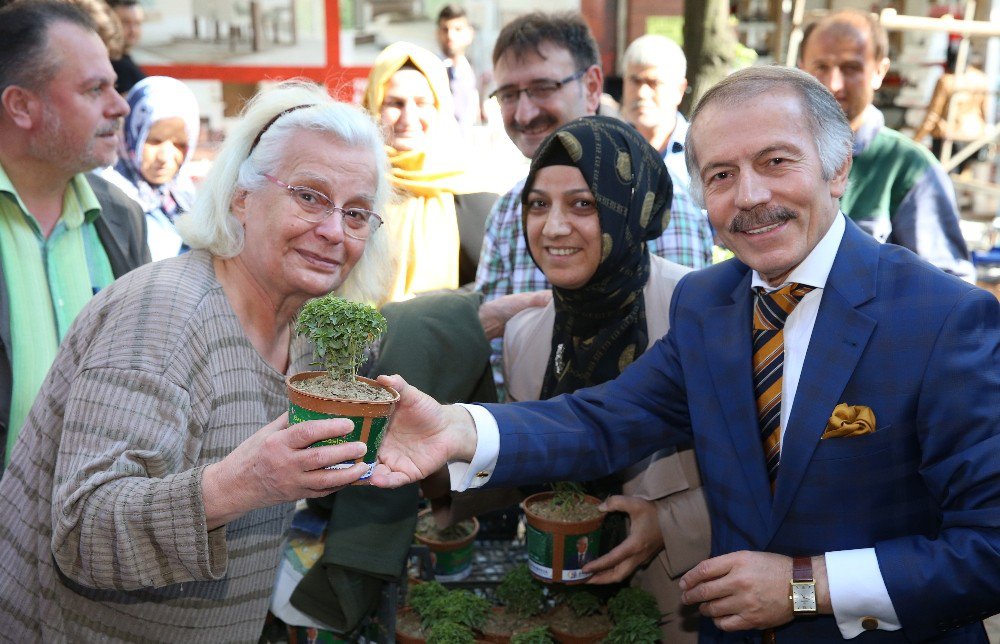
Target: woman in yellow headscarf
{"points": [[408, 93]]}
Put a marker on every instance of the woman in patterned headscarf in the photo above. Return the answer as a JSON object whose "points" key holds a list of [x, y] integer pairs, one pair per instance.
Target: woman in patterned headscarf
{"points": [[595, 194], [159, 138], [409, 95]]}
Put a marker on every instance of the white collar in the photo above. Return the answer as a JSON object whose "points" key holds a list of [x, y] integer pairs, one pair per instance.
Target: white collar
{"points": [[815, 268]]}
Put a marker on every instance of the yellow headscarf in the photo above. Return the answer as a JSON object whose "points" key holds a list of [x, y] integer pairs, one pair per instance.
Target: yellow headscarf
{"points": [[422, 221]]}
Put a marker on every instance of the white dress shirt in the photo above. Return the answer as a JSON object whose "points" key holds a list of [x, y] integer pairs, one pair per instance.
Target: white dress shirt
{"points": [[857, 589]]}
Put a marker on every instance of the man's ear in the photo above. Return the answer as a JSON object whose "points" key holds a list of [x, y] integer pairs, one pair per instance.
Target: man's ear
{"points": [[838, 183], [21, 106], [593, 85], [881, 69], [681, 88]]}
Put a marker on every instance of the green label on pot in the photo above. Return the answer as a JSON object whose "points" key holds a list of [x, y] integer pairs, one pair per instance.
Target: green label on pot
{"points": [[578, 549], [454, 565], [298, 414], [539, 552]]}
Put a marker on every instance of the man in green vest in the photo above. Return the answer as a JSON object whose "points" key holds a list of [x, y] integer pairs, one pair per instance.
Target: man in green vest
{"points": [[897, 190], [64, 233]]}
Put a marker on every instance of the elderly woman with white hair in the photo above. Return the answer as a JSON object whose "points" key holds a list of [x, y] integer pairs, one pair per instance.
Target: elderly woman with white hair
{"points": [[152, 484]]}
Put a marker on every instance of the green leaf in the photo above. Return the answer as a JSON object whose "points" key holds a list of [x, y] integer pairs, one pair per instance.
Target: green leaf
{"points": [[340, 331]]}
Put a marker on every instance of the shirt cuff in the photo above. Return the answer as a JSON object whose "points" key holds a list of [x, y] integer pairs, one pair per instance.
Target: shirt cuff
{"points": [[466, 476], [858, 594]]}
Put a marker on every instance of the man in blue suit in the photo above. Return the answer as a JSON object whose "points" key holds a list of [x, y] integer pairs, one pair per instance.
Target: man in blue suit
{"points": [[876, 513]]}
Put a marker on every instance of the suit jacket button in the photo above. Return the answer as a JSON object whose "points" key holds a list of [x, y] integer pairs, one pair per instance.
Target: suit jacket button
{"points": [[869, 623]]}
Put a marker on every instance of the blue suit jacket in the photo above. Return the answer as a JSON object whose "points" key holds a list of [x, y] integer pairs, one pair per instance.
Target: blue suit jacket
{"points": [[919, 347]]}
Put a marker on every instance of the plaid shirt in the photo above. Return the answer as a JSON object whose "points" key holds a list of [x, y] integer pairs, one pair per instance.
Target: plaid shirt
{"points": [[505, 266]]}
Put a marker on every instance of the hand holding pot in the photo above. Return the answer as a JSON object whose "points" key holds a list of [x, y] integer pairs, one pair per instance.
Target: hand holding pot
{"points": [[643, 542], [275, 466], [423, 437]]}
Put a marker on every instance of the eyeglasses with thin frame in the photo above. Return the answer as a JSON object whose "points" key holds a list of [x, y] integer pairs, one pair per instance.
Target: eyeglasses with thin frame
{"points": [[537, 91], [316, 206]]}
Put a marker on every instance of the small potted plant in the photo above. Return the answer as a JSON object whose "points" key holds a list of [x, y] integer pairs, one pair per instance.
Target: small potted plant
{"points": [[579, 618], [451, 547], [634, 629], [450, 633], [459, 606], [409, 618], [563, 534], [522, 599], [635, 616], [340, 331], [430, 604]]}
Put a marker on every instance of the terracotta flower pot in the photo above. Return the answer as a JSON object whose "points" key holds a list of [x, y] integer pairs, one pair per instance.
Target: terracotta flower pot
{"points": [[557, 550], [370, 418], [452, 558]]}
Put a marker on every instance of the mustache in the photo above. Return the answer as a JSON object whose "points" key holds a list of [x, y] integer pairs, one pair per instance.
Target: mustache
{"points": [[760, 216], [540, 121], [111, 128]]}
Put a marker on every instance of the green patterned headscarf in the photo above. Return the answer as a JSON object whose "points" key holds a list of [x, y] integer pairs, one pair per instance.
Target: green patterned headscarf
{"points": [[600, 328]]}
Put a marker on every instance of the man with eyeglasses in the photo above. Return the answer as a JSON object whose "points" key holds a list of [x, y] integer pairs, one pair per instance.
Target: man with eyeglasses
{"points": [[547, 71]]}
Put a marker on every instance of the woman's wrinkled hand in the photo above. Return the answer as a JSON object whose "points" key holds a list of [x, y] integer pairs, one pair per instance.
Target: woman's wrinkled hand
{"points": [[276, 465], [643, 542]]}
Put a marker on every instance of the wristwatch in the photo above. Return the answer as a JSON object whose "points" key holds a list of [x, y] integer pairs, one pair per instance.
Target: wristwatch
{"points": [[803, 587]]}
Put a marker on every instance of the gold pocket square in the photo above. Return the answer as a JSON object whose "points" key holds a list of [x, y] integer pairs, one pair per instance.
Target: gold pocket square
{"points": [[850, 420]]}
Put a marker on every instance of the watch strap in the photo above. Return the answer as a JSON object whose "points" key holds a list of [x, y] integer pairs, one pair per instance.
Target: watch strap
{"points": [[802, 569]]}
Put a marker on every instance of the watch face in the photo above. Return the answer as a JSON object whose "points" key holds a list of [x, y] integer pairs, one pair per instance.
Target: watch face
{"points": [[803, 597]]}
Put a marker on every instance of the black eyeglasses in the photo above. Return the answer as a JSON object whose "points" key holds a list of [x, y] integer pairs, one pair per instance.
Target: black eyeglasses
{"points": [[316, 206], [539, 90]]}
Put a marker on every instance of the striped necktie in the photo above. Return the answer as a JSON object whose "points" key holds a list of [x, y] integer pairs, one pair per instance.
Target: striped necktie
{"points": [[769, 315]]}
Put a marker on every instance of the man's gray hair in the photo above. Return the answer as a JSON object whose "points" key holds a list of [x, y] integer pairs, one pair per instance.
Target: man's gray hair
{"points": [[241, 165], [824, 117], [653, 50]]}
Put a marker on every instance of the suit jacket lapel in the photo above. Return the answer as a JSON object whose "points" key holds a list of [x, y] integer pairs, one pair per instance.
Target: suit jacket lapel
{"points": [[727, 341], [112, 228], [838, 340]]}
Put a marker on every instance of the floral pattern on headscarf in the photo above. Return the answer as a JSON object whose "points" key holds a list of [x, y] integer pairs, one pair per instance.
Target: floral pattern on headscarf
{"points": [[600, 328], [151, 100]]}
